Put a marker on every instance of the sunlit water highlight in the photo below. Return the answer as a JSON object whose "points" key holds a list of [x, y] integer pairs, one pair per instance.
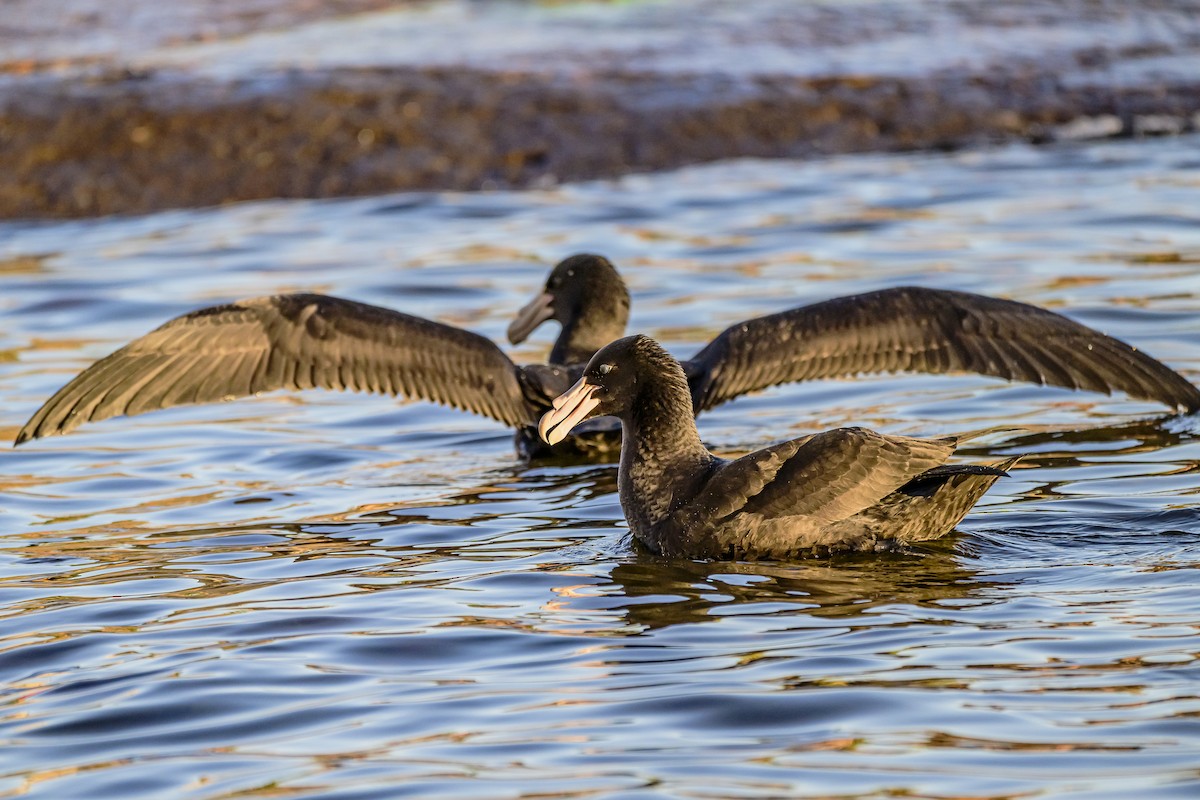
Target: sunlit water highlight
{"points": [[339, 596]]}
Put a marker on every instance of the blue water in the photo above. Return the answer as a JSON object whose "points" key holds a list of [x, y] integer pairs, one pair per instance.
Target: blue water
{"points": [[342, 596]]}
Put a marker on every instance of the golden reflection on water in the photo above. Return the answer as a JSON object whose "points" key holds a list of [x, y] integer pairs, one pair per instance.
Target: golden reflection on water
{"points": [[25, 264]]}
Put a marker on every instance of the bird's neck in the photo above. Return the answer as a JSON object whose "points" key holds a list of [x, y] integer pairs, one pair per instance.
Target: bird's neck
{"points": [[583, 335], [663, 461]]}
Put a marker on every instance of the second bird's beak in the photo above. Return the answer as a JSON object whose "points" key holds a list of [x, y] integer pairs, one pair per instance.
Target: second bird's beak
{"points": [[570, 408], [534, 313]]}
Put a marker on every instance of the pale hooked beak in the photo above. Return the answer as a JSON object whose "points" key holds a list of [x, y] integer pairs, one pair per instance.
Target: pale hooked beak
{"points": [[534, 313], [570, 408]]}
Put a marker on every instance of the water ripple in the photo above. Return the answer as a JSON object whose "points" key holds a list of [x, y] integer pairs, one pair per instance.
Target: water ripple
{"points": [[326, 595]]}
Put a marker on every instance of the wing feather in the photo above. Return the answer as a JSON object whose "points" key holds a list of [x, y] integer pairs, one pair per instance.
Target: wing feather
{"points": [[295, 341], [927, 330]]}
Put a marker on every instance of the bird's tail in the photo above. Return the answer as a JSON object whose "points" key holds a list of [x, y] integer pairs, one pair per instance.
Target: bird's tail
{"points": [[948, 492]]}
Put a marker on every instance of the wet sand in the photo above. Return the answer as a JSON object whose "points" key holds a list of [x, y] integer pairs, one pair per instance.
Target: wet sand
{"points": [[209, 101]]}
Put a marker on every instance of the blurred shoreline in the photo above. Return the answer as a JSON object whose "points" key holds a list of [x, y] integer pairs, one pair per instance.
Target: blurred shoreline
{"points": [[202, 102]]}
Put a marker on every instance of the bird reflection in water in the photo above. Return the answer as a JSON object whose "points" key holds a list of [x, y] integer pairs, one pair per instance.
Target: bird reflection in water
{"points": [[660, 592]]}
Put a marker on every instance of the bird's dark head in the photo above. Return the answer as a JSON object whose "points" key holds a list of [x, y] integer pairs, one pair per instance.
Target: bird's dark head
{"points": [[586, 295], [620, 376]]}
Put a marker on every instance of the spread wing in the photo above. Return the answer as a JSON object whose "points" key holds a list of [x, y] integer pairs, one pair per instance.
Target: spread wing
{"points": [[828, 476], [913, 329], [296, 341]]}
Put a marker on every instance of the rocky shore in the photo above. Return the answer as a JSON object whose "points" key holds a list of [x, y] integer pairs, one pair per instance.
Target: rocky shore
{"points": [[253, 110]]}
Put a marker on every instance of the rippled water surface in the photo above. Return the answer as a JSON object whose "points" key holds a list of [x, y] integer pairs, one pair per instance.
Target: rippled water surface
{"points": [[339, 596]]}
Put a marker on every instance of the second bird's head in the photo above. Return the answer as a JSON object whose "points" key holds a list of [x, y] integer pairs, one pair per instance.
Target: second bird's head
{"points": [[586, 295]]}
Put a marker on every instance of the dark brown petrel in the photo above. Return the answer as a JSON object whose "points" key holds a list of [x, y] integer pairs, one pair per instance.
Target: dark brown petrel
{"points": [[300, 341], [844, 489]]}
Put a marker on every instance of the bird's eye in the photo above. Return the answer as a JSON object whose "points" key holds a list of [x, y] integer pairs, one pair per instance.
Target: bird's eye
{"points": [[606, 368]]}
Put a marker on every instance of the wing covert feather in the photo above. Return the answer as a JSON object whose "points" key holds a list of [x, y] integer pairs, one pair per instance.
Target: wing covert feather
{"points": [[837, 473]]}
